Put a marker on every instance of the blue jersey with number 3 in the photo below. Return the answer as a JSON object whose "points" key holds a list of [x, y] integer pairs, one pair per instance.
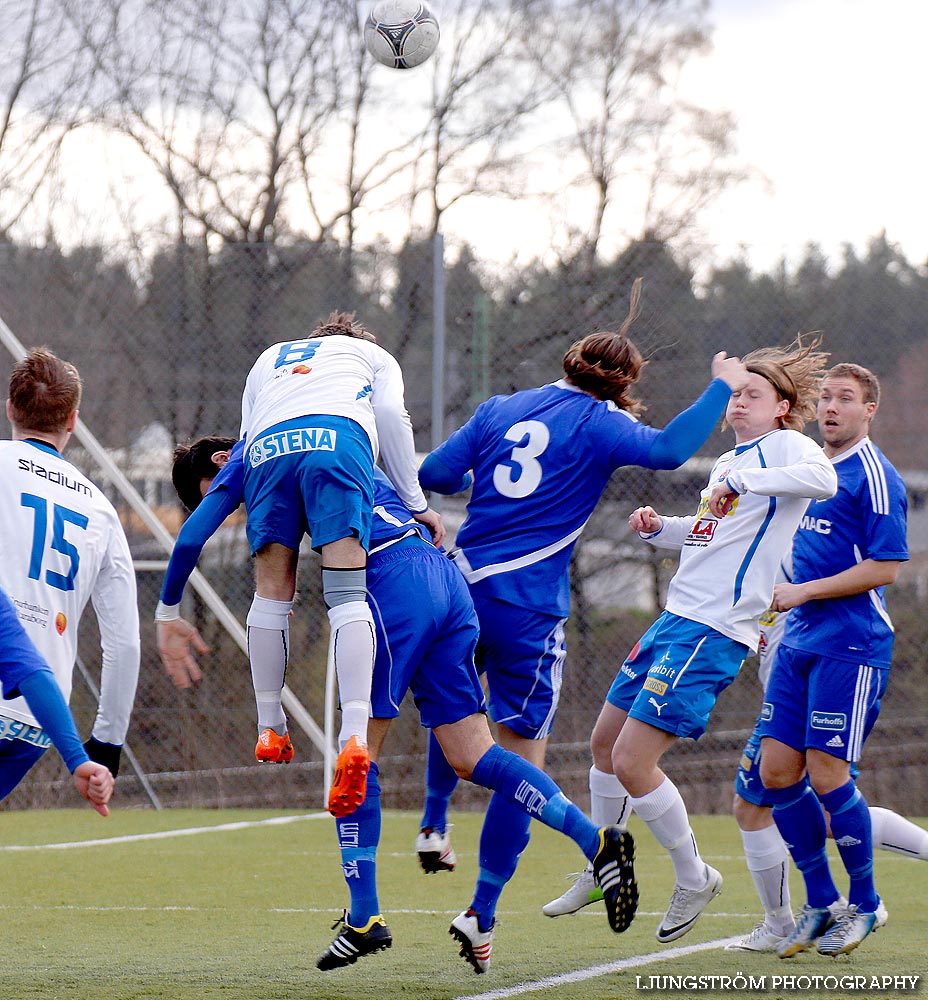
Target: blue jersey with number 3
{"points": [[541, 459]]}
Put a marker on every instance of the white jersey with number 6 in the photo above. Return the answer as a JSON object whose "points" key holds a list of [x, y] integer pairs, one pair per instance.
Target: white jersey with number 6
{"points": [[61, 544]]}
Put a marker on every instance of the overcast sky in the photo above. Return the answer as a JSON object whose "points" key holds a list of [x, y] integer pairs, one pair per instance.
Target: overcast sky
{"points": [[829, 96], [829, 100]]}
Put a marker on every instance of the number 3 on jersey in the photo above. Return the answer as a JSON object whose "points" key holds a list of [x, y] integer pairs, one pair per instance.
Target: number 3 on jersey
{"points": [[531, 437], [61, 518]]}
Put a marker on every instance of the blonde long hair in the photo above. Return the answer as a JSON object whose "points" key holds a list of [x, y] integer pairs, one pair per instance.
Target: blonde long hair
{"points": [[795, 372]]}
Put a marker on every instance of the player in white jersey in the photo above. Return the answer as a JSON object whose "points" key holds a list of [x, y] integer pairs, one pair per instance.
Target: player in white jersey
{"points": [[61, 544], [315, 415], [730, 551]]}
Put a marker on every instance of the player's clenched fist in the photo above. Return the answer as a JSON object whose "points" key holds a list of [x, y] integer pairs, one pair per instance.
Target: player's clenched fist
{"points": [[730, 370], [95, 782], [646, 520]]}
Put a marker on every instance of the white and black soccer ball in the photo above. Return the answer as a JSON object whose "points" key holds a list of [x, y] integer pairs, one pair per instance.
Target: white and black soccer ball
{"points": [[401, 33]]}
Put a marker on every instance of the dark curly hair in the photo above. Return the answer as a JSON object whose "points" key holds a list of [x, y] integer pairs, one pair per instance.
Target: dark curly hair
{"points": [[193, 462], [607, 364]]}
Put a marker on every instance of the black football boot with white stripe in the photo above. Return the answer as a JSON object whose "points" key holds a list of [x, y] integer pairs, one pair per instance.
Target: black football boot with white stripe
{"points": [[352, 943]]}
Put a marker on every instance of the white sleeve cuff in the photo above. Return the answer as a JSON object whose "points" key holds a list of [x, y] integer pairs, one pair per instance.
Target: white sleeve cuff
{"points": [[167, 613], [735, 484]]}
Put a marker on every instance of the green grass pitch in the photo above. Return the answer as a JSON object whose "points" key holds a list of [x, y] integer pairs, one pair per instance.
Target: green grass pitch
{"points": [[241, 912]]}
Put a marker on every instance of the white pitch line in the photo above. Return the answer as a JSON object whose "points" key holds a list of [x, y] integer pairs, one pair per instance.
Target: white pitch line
{"points": [[599, 970], [164, 834]]}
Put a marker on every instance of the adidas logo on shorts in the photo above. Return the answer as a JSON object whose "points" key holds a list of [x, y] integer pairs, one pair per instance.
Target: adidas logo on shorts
{"points": [[835, 741]]}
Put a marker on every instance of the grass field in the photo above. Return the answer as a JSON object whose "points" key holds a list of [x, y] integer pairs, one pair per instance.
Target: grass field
{"points": [[237, 905]]}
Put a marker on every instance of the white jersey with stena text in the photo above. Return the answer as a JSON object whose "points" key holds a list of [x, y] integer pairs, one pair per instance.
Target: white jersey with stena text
{"points": [[728, 565], [343, 377], [61, 544]]}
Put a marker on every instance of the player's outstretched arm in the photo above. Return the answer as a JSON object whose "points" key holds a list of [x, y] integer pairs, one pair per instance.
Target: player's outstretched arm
{"points": [[690, 429], [95, 782]]}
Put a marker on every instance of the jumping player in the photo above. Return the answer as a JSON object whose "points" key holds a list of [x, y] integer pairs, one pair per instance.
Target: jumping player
{"points": [[541, 459], [315, 414], [423, 646]]}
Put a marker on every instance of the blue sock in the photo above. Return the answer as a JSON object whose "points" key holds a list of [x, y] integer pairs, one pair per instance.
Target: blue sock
{"points": [[850, 826], [536, 794], [358, 837], [440, 782], [801, 822], [503, 838]]}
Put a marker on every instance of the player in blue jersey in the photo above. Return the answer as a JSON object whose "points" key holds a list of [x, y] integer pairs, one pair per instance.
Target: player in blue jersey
{"points": [[423, 645], [316, 413], [24, 673], [831, 668], [764, 851], [730, 552], [540, 460]]}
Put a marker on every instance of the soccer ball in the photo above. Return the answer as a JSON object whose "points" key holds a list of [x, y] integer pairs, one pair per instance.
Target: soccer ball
{"points": [[401, 33]]}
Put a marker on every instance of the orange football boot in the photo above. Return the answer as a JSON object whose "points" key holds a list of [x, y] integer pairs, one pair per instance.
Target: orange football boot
{"points": [[349, 786], [273, 749]]}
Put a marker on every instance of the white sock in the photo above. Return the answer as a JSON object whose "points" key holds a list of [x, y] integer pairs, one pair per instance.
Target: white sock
{"points": [[892, 832], [768, 863], [354, 643], [665, 815], [268, 632], [610, 803]]}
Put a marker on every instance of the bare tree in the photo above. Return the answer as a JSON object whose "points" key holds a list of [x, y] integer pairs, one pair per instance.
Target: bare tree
{"points": [[227, 99], [484, 95], [45, 77], [615, 66]]}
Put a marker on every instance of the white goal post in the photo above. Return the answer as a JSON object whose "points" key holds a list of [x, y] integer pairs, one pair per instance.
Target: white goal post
{"points": [[322, 738]]}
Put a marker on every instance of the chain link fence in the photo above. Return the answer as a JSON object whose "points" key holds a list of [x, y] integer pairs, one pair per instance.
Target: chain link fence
{"points": [[164, 351]]}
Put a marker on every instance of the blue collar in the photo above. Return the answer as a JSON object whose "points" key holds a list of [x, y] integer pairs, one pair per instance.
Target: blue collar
{"points": [[42, 446], [740, 449]]}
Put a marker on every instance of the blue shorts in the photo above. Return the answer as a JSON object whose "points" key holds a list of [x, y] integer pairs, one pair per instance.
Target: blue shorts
{"points": [[522, 652], [312, 475], [815, 702], [426, 635], [17, 757], [747, 781], [674, 675]]}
